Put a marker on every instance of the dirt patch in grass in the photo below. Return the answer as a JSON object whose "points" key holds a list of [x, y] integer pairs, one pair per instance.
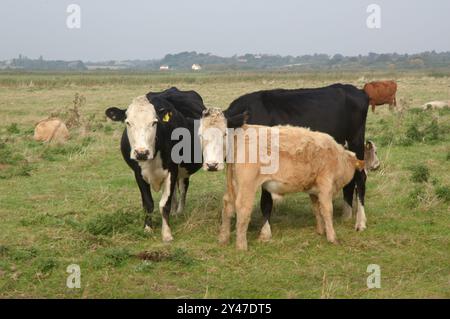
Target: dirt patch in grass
{"points": [[156, 255]]}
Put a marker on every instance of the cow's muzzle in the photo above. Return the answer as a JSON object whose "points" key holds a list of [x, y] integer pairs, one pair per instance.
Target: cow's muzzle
{"points": [[142, 155], [212, 167]]}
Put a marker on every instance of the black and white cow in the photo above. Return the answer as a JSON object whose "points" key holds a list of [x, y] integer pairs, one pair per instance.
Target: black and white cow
{"points": [[338, 110], [147, 145]]}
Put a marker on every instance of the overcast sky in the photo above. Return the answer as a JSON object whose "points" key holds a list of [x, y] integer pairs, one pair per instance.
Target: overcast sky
{"points": [[146, 29]]}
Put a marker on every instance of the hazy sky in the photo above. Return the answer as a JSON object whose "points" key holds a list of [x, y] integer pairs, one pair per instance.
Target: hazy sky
{"points": [[138, 29]]}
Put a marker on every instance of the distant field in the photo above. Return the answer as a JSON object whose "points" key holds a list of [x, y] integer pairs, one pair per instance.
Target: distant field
{"points": [[79, 204]]}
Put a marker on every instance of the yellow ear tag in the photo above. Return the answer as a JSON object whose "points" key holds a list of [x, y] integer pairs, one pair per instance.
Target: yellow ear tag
{"points": [[167, 116]]}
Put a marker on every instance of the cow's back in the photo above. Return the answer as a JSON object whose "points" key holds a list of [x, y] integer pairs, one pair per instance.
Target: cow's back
{"points": [[188, 103], [320, 109]]}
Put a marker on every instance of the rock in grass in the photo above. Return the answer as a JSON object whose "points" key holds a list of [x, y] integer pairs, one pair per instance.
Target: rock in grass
{"points": [[51, 130]]}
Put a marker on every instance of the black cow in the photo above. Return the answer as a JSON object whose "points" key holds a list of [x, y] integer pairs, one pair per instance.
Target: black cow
{"points": [[339, 110], [147, 145]]}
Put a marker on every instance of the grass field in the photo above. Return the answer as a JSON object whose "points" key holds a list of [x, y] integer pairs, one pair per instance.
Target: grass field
{"points": [[78, 203]]}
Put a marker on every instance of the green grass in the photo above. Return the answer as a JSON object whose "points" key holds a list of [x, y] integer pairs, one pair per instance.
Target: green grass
{"points": [[78, 203]]}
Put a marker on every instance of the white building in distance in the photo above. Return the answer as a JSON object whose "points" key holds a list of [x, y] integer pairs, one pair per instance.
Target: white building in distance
{"points": [[164, 67], [196, 67]]}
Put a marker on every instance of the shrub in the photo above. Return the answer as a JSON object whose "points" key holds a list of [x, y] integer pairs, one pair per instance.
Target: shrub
{"points": [[414, 197], [443, 192], [13, 129], [431, 132], [46, 265], [108, 224], [413, 133], [23, 169], [7, 156], [117, 256], [420, 173], [181, 256], [23, 253]]}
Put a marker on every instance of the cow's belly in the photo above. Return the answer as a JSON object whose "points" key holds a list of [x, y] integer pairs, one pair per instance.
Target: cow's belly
{"points": [[153, 172], [281, 188]]}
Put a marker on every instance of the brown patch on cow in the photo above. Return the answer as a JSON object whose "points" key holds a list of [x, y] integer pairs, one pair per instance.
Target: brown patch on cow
{"points": [[157, 255], [381, 92], [51, 130]]}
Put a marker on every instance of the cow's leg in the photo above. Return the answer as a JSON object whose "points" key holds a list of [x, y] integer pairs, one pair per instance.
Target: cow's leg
{"points": [[244, 205], [227, 213], [326, 211], [348, 191], [229, 201], [266, 209], [357, 146], [183, 185], [361, 189], [147, 200], [165, 204], [174, 200], [316, 209]]}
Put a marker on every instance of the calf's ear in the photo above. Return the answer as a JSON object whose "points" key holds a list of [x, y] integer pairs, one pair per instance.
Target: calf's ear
{"points": [[237, 120], [116, 114]]}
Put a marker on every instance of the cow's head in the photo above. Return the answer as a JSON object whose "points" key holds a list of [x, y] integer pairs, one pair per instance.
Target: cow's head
{"points": [[141, 121], [213, 133], [371, 157]]}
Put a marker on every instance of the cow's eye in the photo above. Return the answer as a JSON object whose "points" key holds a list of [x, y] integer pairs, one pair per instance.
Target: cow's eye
{"points": [[154, 123], [127, 123]]}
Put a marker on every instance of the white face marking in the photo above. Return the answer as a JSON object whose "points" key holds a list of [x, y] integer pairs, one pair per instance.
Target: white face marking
{"points": [[141, 124], [213, 137], [370, 156]]}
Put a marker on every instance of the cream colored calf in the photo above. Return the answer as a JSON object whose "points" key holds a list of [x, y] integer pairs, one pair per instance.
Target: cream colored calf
{"points": [[310, 162]]}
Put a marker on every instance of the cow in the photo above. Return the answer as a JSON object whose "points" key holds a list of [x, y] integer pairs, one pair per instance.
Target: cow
{"points": [[381, 92], [435, 105], [307, 161], [51, 130], [372, 163], [339, 110], [147, 144]]}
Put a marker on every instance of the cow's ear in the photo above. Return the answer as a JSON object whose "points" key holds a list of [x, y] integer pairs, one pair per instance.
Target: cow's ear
{"points": [[116, 114], [369, 145], [166, 116], [237, 120]]}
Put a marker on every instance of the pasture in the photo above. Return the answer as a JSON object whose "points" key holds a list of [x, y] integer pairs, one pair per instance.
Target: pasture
{"points": [[78, 203]]}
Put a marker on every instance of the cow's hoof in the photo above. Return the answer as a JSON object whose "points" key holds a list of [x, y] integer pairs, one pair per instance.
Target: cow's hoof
{"points": [[224, 240], [167, 238], [241, 247], [320, 231], [266, 233], [179, 211], [360, 227], [335, 242], [148, 229], [264, 239]]}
